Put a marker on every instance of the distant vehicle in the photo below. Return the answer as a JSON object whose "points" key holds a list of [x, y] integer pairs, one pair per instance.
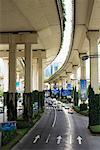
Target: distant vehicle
{"points": [[59, 107], [54, 104], [63, 105], [20, 104], [70, 111], [66, 107]]}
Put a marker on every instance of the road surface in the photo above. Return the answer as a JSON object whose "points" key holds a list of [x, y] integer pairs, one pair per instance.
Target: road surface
{"points": [[58, 130]]}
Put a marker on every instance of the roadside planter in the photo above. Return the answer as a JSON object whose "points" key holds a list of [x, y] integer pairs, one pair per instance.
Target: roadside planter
{"points": [[8, 131], [83, 107]]}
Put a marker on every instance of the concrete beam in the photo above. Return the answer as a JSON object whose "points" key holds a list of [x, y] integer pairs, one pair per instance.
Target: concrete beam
{"points": [[19, 38], [38, 53], [35, 54], [6, 54]]}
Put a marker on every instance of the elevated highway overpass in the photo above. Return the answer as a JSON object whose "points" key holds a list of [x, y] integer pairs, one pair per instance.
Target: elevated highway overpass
{"points": [[38, 23], [85, 41], [31, 33]]}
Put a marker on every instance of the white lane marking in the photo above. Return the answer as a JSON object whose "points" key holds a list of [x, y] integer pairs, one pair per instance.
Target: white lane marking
{"points": [[59, 139], [69, 121], [36, 138], [70, 127], [79, 138], [48, 138], [70, 139], [54, 119]]}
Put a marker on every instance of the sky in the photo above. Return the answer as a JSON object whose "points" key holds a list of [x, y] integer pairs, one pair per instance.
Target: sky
{"points": [[67, 33]]}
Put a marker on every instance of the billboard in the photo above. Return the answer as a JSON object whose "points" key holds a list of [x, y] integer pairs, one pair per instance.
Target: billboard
{"points": [[64, 92], [55, 91], [69, 86], [83, 89]]}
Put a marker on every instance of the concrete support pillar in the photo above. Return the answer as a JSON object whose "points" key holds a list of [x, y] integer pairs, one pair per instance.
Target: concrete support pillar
{"points": [[5, 75], [93, 50], [39, 63], [35, 75], [64, 83], [12, 97], [12, 67], [69, 79], [75, 77], [27, 97], [83, 69], [59, 83], [28, 68], [39, 55]]}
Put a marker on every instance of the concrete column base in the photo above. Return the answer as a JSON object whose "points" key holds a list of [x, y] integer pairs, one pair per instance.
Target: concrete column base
{"points": [[12, 106], [41, 100], [28, 107]]}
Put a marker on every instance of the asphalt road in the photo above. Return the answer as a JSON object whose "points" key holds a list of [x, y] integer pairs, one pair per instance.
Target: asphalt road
{"points": [[58, 130]]}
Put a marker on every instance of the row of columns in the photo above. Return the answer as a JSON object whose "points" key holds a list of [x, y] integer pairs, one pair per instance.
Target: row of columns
{"points": [[35, 77], [93, 37]]}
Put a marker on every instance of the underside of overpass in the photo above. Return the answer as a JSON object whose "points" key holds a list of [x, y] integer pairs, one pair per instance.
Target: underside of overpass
{"points": [[31, 33], [86, 22], [41, 18]]}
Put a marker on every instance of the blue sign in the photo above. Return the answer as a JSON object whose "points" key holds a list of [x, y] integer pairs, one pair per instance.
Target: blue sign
{"points": [[64, 93], [8, 126], [83, 89], [55, 91], [69, 86]]}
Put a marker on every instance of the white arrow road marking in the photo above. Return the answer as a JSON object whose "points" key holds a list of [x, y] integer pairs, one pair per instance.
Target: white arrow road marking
{"points": [[36, 138], [79, 138], [48, 138], [70, 139], [54, 119], [59, 139]]}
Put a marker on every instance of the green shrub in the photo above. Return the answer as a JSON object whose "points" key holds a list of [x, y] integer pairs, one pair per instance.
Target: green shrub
{"points": [[21, 124], [83, 107], [8, 136], [95, 129], [77, 109]]}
